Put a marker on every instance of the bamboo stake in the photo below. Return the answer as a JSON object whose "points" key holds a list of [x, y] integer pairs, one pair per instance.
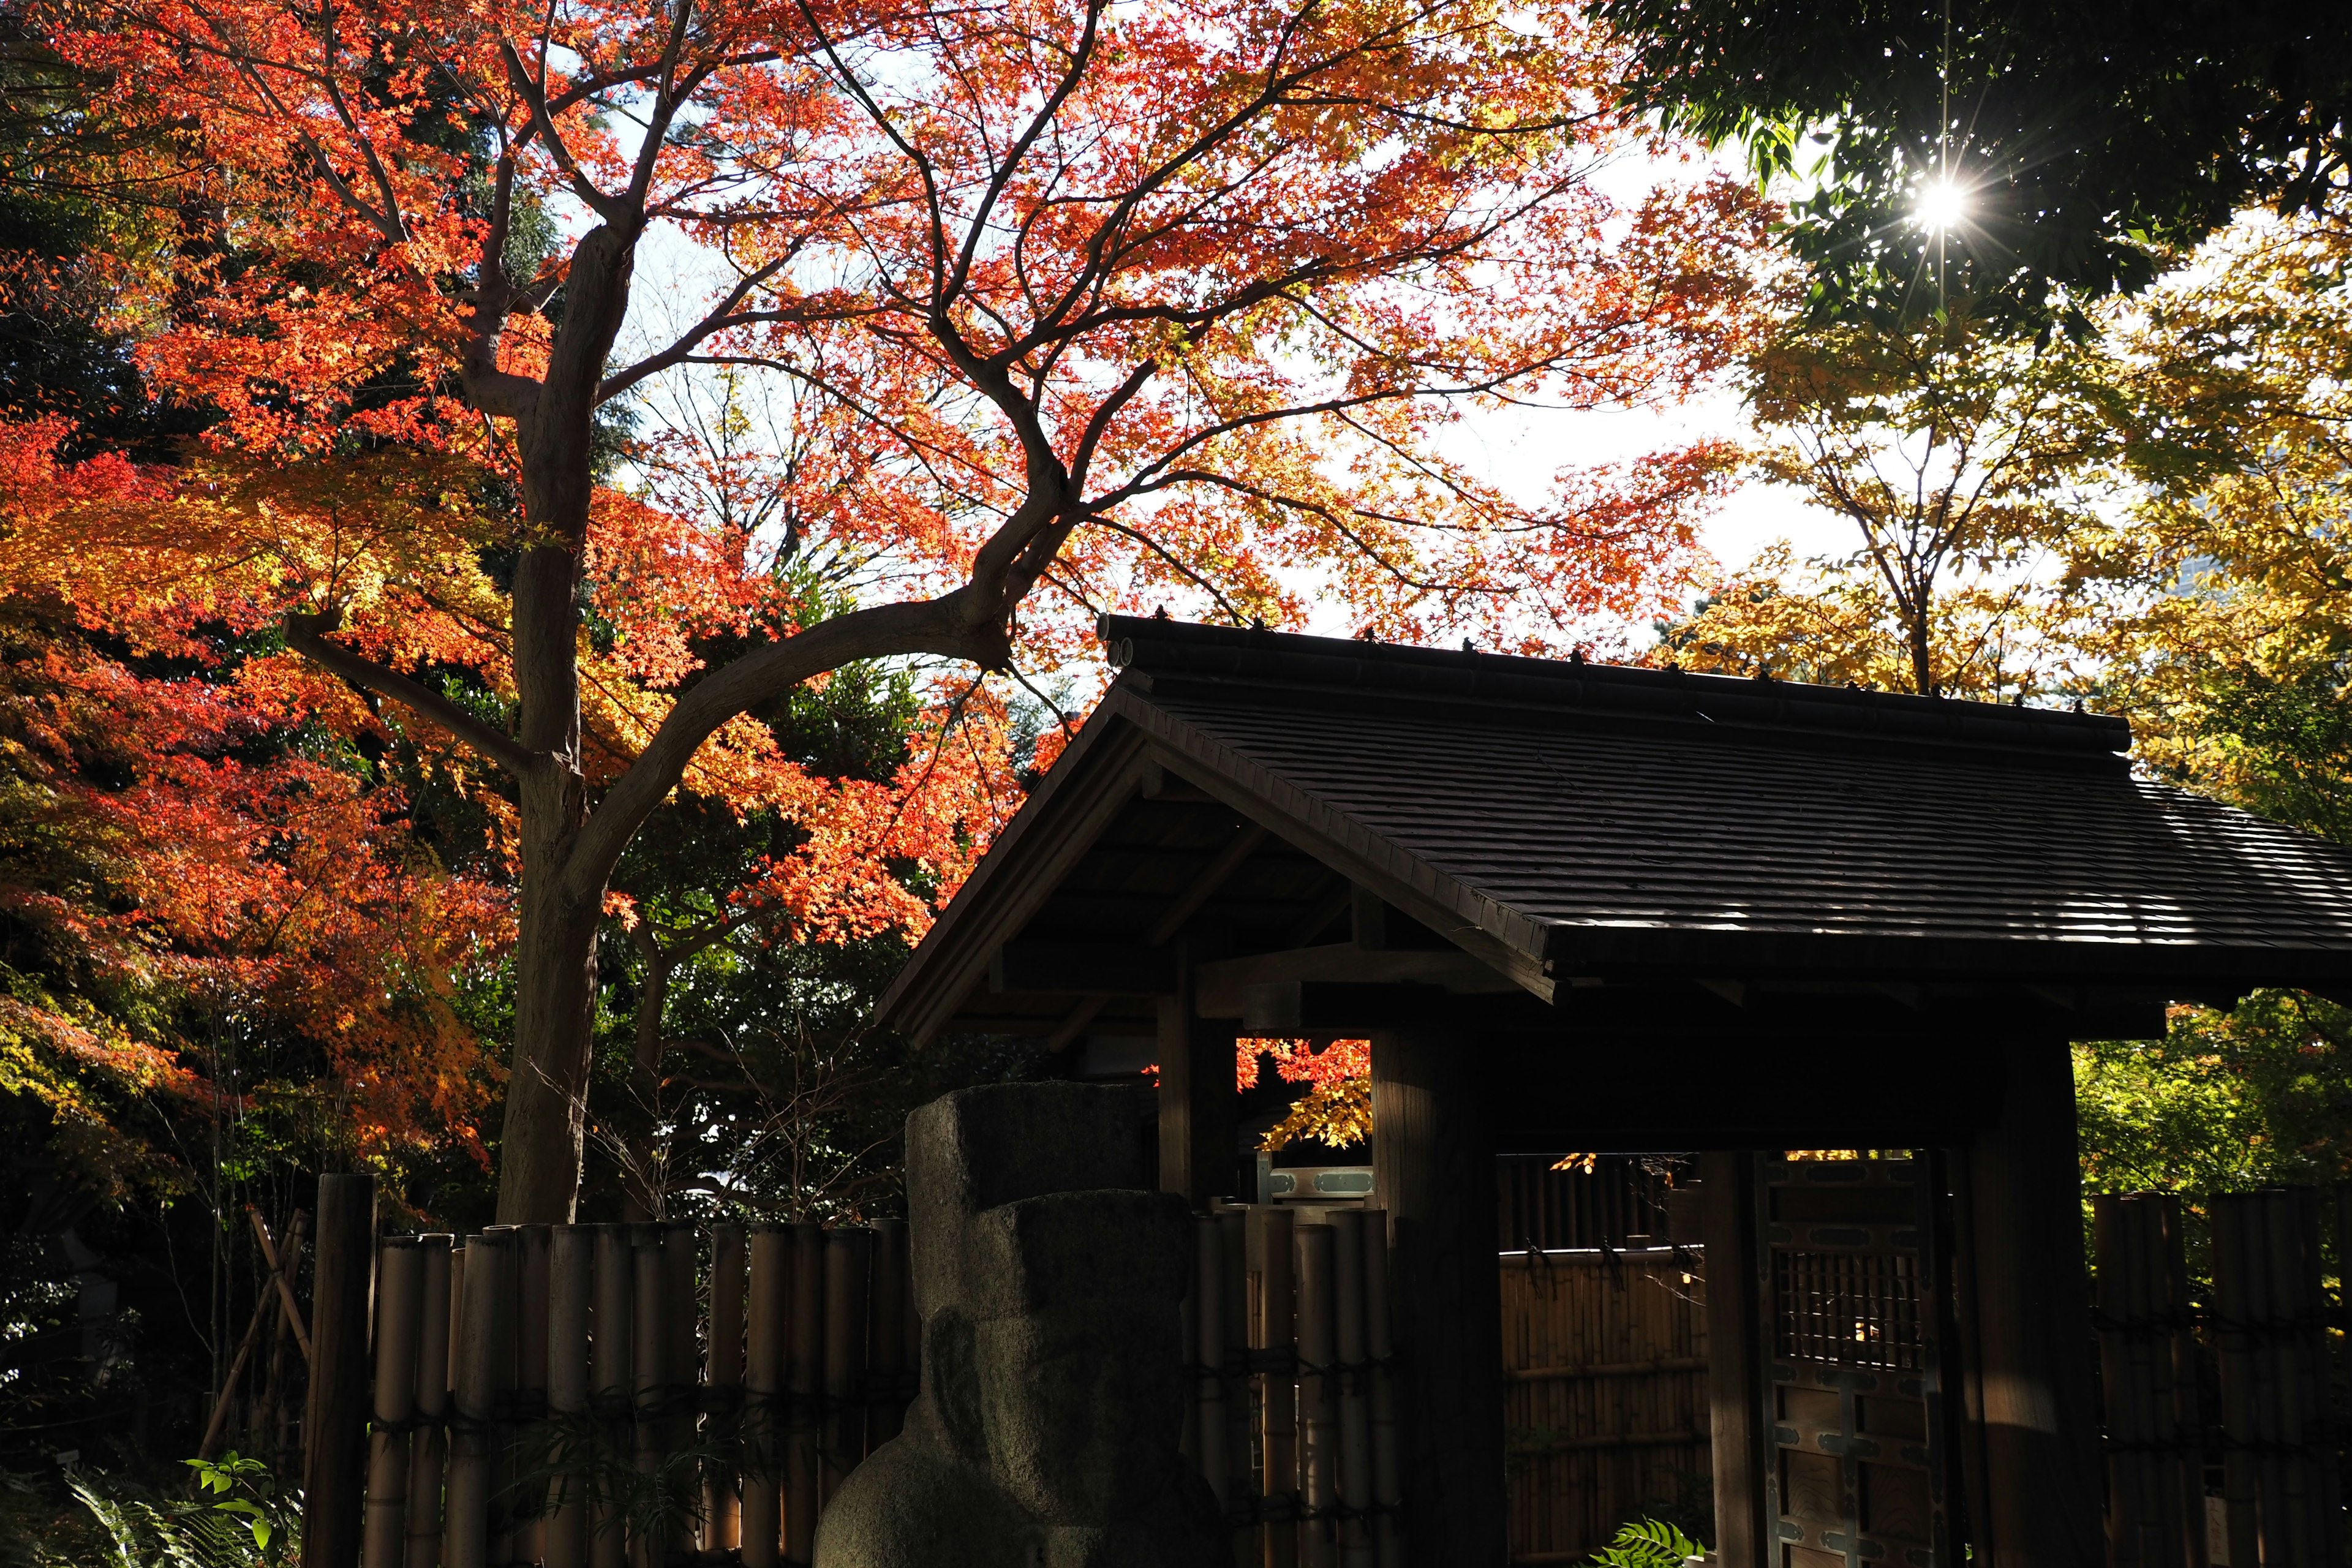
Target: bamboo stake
{"points": [[571, 1256], [465, 1531], [723, 1488], [284, 1277], [1355, 1480], [805, 1371], [1209, 1354], [848, 1251], [504, 1368], [612, 1382], [1388, 1472], [429, 1452], [764, 1385], [399, 1307], [681, 1381], [1318, 1435], [649, 1320], [1240, 1421], [1279, 1411], [526, 1440], [886, 1357], [266, 1308]]}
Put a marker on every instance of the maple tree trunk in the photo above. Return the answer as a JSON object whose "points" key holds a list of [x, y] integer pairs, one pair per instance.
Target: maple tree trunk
{"points": [[555, 998]]}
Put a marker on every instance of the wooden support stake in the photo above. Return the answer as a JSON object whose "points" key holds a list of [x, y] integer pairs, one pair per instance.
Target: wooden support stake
{"points": [[763, 1387], [1727, 1197], [681, 1381], [611, 1384], [284, 1278], [804, 1347], [429, 1453], [1349, 1346], [723, 1378], [505, 1367], [571, 1260], [1380, 1395], [466, 1529], [1240, 1423], [399, 1312], [1208, 1349], [528, 1440], [266, 1308], [885, 1356], [1319, 1437], [1272, 1250], [848, 1258], [335, 1425]]}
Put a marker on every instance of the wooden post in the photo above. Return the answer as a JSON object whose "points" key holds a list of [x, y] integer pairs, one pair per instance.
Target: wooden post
{"points": [[613, 1382], [2271, 1314], [885, 1356], [721, 1492], [1233, 1244], [465, 1528], [335, 1426], [847, 1253], [1209, 1354], [429, 1453], [1318, 1445], [1734, 1380], [2037, 1423], [804, 1346], [1200, 1108], [505, 1472], [1348, 1350], [1380, 1395], [1434, 1168], [681, 1380], [763, 1387], [571, 1255], [399, 1307], [2147, 1376]]}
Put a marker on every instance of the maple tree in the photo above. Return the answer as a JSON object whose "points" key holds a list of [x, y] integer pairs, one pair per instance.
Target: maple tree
{"points": [[1068, 306]]}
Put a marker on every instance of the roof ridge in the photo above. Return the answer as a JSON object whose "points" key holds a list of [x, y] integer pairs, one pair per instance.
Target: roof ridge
{"points": [[1258, 656]]}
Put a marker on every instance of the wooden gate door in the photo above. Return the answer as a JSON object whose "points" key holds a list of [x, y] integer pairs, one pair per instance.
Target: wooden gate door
{"points": [[1853, 1364]]}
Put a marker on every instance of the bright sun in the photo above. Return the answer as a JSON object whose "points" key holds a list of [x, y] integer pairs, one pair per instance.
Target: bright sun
{"points": [[1942, 205]]}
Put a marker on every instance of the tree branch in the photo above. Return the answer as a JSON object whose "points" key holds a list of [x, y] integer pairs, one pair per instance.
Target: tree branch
{"points": [[306, 634]]}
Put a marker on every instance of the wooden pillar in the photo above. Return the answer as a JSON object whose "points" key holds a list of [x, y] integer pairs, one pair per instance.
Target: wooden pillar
{"points": [[1734, 1380], [1199, 1106], [2035, 1416], [1434, 1163], [335, 1429]]}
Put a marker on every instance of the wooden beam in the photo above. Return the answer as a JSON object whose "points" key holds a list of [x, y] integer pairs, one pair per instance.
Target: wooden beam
{"points": [[1204, 887], [1112, 969], [1220, 988]]}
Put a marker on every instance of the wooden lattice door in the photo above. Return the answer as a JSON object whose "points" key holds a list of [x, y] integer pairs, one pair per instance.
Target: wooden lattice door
{"points": [[1854, 1365]]}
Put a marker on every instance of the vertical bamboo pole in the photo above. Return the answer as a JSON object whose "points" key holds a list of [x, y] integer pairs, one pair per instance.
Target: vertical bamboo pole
{"points": [[1379, 1347], [848, 1251], [400, 1280], [681, 1382], [528, 1441], [1241, 1424], [334, 1430], [649, 1323], [504, 1369], [571, 1254], [1318, 1427], [886, 1357], [429, 1453], [1208, 1348], [805, 1373], [466, 1537], [763, 1387], [1355, 1413], [613, 1382], [1278, 1409], [723, 1377]]}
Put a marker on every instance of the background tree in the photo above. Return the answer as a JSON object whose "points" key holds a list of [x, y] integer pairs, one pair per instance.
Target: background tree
{"points": [[1070, 296], [2070, 149]]}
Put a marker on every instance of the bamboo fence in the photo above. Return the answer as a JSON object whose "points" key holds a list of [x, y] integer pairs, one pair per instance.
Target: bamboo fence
{"points": [[1293, 1420], [628, 1395], [1605, 1394]]}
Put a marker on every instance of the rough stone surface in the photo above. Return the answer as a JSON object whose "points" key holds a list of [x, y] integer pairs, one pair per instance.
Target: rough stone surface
{"points": [[1049, 1281]]}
